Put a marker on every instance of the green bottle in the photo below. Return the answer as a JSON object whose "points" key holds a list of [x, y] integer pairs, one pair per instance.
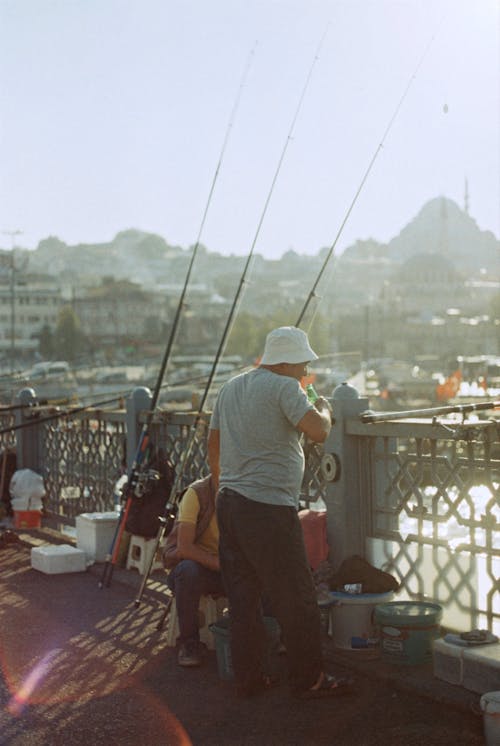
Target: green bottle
{"points": [[311, 393]]}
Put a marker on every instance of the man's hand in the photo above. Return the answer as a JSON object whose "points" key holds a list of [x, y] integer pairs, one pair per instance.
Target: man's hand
{"points": [[323, 405]]}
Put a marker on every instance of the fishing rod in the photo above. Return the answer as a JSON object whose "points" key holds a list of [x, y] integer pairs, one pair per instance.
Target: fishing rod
{"points": [[117, 397], [312, 293], [132, 488], [180, 305], [39, 403], [168, 518], [56, 416], [242, 282], [464, 409]]}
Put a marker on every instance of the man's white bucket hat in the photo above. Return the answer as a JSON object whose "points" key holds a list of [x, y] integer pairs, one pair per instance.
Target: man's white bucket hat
{"points": [[287, 344]]}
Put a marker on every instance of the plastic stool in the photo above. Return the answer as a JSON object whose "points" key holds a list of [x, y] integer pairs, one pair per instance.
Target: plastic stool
{"points": [[209, 610], [140, 551]]}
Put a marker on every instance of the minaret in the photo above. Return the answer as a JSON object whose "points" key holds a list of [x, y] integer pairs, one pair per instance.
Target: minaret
{"points": [[466, 197], [443, 237]]}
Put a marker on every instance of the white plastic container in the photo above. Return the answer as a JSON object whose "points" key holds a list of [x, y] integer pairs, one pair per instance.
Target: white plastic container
{"points": [[26, 490], [54, 559], [490, 705], [352, 620], [94, 534], [26, 503], [481, 668]]}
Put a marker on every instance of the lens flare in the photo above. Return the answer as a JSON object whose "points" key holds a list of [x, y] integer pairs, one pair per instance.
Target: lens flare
{"points": [[20, 699]]}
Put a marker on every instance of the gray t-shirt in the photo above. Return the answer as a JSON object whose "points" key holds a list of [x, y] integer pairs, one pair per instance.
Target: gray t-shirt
{"points": [[261, 455]]}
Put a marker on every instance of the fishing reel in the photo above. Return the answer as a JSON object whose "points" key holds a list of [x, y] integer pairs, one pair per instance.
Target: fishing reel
{"points": [[145, 482], [140, 485]]}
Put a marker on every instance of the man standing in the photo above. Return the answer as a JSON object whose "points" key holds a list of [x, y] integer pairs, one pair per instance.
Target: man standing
{"points": [[256, 457], [191, 555]]}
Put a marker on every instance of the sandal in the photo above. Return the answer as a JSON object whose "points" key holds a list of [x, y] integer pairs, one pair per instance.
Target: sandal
{"points": [[330, 686]]}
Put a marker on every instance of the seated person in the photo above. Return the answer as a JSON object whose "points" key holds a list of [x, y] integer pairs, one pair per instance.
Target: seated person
{"points": [[191, 554]]}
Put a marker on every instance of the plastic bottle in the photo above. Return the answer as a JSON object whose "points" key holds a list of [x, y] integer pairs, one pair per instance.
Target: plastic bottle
{"points": [[311, 393]]}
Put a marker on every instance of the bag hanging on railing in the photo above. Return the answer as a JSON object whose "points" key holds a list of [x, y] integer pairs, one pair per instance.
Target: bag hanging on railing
{"points": [[144, 512]]}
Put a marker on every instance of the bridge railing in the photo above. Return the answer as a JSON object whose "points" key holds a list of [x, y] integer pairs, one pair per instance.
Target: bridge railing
{"points": [[417, 498], [81, 454], [421, 500]]}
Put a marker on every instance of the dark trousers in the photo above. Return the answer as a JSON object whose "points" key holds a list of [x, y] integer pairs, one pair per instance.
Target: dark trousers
{"points": [[261, 550], [189, 581]]}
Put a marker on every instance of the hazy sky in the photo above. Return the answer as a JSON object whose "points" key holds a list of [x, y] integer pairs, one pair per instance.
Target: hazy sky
{"points": [[114, 112]]}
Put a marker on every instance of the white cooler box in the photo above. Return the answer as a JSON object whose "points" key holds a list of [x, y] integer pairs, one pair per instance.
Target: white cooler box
{"points": [[95, 533], [53, 559]]}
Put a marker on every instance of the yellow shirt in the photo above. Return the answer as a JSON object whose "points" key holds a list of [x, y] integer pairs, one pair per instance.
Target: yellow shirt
{"points": [[188, 513]]}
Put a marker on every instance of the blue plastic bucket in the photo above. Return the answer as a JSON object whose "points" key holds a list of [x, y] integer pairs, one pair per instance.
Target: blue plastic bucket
{"points": [[222, 638], [407, 629]]}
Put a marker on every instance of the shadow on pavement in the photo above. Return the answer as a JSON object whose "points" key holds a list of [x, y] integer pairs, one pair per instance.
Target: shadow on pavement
{"points": [[83, 665]]}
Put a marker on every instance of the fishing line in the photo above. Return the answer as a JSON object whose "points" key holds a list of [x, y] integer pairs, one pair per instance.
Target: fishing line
{"points": [[312, 293], [180, 305], [142, 446], [243, 278], [117, 397], [170, 508], [56, 416]]}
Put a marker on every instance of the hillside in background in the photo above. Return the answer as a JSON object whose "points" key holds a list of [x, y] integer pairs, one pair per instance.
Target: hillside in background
{"points": [[441, 227]]}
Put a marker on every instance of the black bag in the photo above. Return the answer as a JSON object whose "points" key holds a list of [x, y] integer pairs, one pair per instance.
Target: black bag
{"points": [[356, 569], [144, 512]]}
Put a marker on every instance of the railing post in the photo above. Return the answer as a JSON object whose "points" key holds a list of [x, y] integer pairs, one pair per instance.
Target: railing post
{"points": [[341, 469], [27, 438], [138, 401]]}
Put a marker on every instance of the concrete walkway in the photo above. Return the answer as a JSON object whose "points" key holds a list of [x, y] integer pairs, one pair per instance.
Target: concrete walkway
{"points": [[82, 665]]}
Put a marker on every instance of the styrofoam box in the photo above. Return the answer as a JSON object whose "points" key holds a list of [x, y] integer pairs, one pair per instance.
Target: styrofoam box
{"points": [[58, 558], [482, 668], [447, 661], [95, 533]]}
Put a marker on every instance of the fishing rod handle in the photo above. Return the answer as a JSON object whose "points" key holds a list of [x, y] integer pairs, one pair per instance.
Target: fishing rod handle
{"points": [[372, 417], [166, 523]]}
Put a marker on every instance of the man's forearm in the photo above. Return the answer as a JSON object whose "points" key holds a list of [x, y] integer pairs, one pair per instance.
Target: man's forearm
{"points": [[196, 553]]}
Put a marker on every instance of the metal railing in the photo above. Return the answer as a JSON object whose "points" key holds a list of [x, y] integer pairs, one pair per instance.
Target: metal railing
{"points": [[428, 494], [431, 510], [83, 457], [7, 437]]}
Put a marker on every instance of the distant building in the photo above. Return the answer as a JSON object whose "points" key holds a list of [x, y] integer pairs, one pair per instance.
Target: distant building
{"points": [[111, 313], [425, 283], [25, 308], [124, 312]]}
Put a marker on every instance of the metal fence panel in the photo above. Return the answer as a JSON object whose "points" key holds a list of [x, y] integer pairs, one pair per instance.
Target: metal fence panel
{"points": [[81, 459], [433, 500]]}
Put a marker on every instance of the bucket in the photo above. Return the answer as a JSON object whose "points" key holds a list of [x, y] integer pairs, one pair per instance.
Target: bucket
{"points": [[490, 705], [353, 627], [27, 519], [407, 629], [220, 630]]}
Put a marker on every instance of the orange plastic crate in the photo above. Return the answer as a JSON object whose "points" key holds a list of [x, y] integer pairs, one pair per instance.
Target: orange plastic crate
{"points": [[27, 519]]}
